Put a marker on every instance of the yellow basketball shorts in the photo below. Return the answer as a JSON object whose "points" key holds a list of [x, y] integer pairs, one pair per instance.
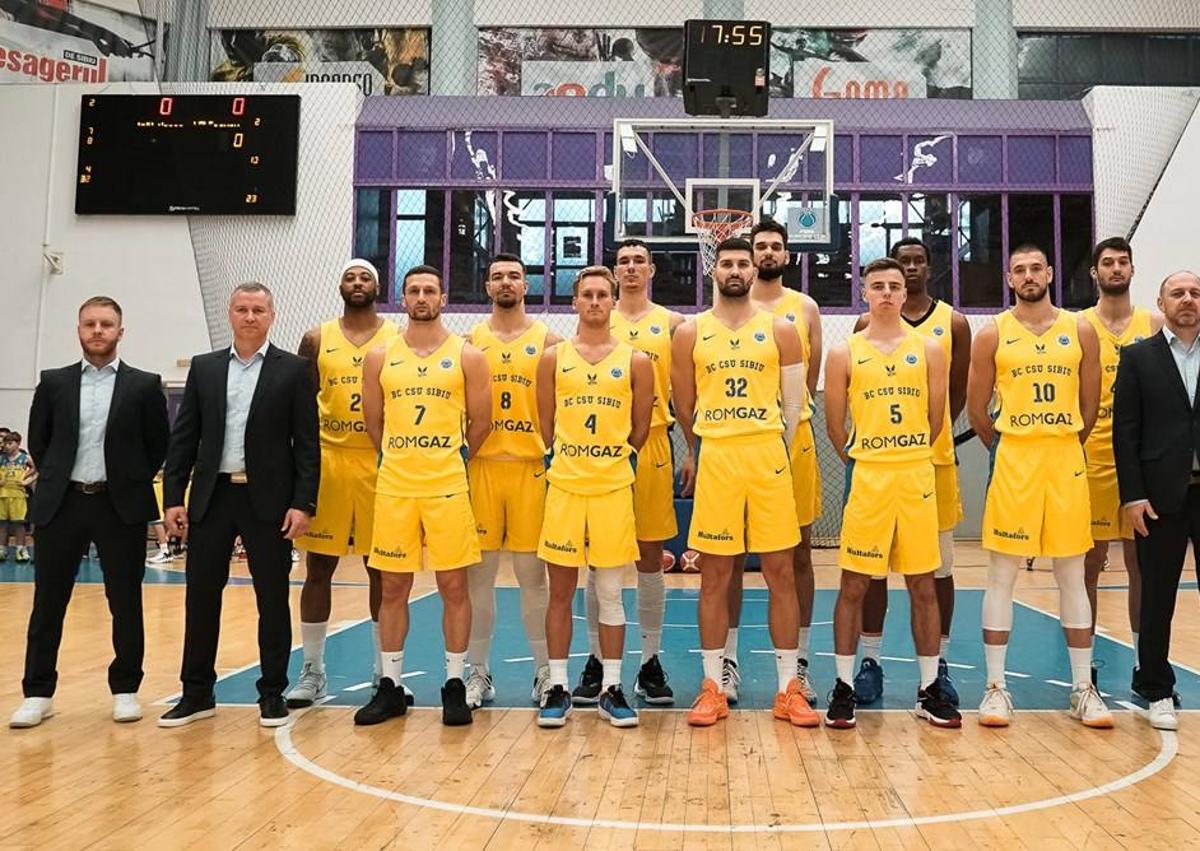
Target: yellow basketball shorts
{"points": [[1037, 498], [508, 498], [1108, 520], [443, 524], [744, 498], [806, 474], [890, 522], [588, 530], [12, 509], [654, 488], [345, 502], [949, 501]]}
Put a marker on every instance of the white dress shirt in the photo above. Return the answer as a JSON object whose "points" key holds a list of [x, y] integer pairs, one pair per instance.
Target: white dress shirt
{"points": [[1187, 361], [95, 398], [241, 380]]}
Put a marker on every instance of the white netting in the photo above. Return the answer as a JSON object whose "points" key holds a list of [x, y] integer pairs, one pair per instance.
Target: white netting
{"points": [[715, 226]]}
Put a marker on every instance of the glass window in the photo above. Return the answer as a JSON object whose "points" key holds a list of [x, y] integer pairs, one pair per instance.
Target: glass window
{"points": [[830, 273], [1031, 220], [572, 239], [1124, 59], [879, 225], [523, 233], [667, 217], [1167, 58], [1079, 58], [371, 210], [1040, 91], [420, 229], [979, 246], [674, 283], [635, 212], [1036, 58], [929, 221], [472, 231], [1075, 215]]}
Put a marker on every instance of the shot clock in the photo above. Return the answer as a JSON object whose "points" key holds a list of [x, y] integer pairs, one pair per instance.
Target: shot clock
{"points": [[725, 67], [187, 154]]}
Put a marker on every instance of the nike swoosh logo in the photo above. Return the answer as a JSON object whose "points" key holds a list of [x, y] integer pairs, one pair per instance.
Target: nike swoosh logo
{"points": [[806, 449], [864, 360], [781, 469], [396, 362], [926, 495], [1010, 342], [539, 474], [1080, 473], [658, 466], [567, 368], [331, 351], [709, 337]]}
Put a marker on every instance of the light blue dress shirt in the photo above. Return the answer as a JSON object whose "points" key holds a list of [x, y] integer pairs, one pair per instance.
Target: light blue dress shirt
{"points": [[95, 398], [241, 380], [1187, 361]]}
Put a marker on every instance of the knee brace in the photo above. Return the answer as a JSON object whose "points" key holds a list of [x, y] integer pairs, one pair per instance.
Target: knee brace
{"points": [[946, 549], [608, 595], [998, 596], [1074, 608]]}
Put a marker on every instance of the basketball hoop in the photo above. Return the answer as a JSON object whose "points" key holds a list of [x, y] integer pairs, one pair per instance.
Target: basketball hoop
{"points": [[715, 226]]}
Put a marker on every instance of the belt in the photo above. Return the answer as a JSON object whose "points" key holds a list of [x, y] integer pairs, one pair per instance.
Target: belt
{"points": [[89, 487], [233, 478]]}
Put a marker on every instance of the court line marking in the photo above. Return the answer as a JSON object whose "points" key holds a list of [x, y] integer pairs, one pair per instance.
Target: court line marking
{"points": [[1168, 749]]}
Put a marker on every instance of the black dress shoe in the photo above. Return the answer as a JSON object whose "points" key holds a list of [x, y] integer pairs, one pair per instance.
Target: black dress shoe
{"points": [[455, 712], [272, 711], [389, 701], [189, 709]]}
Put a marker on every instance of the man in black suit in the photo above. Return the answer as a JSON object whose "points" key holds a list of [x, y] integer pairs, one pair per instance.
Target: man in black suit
{"points": [[246, 434], [97, 433], [1156, 440]]}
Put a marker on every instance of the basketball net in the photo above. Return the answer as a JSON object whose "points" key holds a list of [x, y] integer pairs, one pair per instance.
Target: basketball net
{"points": [[714, 227]]}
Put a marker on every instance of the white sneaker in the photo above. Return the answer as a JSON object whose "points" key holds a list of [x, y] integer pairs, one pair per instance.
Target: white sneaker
{"points": [[541, 684], [161, 557], [730, 679], [806, 686], [479, 688], [1088, 706], [309, 688], [996, 708], [1162, 715], [126, 708], [32, 712]]}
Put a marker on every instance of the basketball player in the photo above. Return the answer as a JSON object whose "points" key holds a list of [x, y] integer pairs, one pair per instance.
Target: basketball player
{"points": [[346, 499], [947, 327], [1118, 323], [648, 328], [892, 379], [595, 395], [769, 239], [737, 379], [508, 491], [425, 400], [1043, 366]]}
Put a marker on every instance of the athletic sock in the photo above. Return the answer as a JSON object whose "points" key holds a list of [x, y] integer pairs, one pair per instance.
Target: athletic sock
{"points": [[375, 659], [944, 651], [612, 673], [391, 664], [651, 602], [785, 668], [871, 645], [456, 664], [312, 638], [928, 666], [712, 661], [1081, 666], [802, 644], [558, 672], [995, 655], [845, 667], [531, 578], [592, 604], [731, 644]]}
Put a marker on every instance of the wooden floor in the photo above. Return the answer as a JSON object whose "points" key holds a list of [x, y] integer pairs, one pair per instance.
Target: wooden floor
{"points": [[82, 781]]}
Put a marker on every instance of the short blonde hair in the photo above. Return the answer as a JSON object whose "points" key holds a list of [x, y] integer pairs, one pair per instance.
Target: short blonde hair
{"points": [[598, 272]]}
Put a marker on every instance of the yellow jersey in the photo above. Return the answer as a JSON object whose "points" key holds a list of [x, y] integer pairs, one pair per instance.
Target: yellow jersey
{"points": [[737, 377], [339, 370], [424, 407], [1037, 377], [593, 416], [936, 326], [889, 401], [513, 366], [1098, 447], [13, 470], [651, 335], [791, 308]]}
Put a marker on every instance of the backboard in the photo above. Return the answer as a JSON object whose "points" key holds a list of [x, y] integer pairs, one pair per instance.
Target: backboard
{"points": [[665, 170]]}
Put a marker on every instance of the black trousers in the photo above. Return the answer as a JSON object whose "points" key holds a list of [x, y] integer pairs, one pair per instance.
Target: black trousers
{"points": [[210, 546], [1160, 559], [61, 543]]}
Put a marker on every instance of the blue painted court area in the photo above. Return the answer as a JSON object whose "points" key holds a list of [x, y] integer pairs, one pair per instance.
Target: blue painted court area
{"points": [[1037, 660]]}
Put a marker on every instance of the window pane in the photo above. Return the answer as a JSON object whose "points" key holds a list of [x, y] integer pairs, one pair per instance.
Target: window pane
{"points": [[829, 273], [667, 216], [1168, 60], [1036, 59], [572, 238], [1042, 91], [1079, 58], [1124, 59], [419, 231], [371, 229], [523, 233], [929, 220], [879, 225], [1031, 220], [980, 267], [472, 228], [1076, 215], [636, 209], [674, 281]]}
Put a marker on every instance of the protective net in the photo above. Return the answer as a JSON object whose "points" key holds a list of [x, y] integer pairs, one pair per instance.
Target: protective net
{"points": [[714, 227]]}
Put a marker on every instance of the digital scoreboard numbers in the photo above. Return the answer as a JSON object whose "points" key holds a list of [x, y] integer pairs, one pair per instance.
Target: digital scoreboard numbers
{"points": [[726, 66], [188, 154]]}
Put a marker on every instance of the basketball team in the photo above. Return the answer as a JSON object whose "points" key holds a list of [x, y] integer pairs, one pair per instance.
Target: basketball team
{"points": [[442, 453]]}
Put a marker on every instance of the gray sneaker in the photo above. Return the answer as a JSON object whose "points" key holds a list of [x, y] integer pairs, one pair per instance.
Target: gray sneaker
{"points": [[479, 688], [308, 689], [541, 684]]}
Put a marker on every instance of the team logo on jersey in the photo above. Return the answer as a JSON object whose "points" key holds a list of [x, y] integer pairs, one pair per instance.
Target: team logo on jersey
{"points": [[890, 370], [789, 316], [447, 363], [633, 333], [760, 337], [356, 360], [1040, 348], [656, 329], [616, 372], [938, 330], [506, 357], [1064, 340], [910, 359], [530, 349], [422, 371], [735, 343], [591, 379]]}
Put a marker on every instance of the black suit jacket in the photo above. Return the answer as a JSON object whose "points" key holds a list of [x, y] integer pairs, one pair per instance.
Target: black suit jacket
{"points": [[1156, 430], [283, 456], [135, 440]]}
